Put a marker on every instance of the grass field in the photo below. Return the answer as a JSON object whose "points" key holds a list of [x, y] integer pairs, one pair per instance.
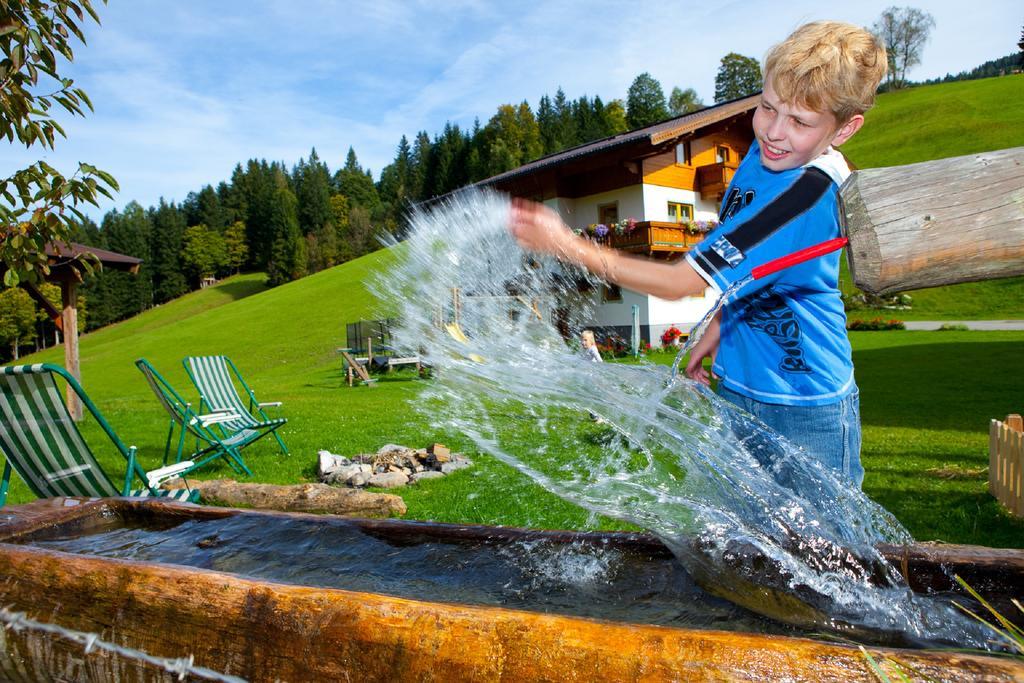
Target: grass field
{"points": [[926, 396]]}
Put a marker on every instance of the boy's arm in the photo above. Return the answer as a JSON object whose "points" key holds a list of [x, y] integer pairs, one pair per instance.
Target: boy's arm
{"points": [[538, 228]]}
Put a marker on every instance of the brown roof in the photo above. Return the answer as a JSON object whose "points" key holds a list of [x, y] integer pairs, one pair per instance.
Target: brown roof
{"points": [[654, 134], [61, 254]]}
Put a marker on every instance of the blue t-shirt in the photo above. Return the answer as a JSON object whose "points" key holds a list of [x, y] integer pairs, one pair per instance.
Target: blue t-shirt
{"points": [[783, 337]]}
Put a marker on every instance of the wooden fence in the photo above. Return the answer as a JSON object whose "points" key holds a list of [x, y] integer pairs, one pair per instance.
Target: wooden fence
{"points": [[1006, 463]]}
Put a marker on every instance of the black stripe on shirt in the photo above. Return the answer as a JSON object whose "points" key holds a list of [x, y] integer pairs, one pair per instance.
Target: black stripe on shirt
{"points": [[796, 200]]}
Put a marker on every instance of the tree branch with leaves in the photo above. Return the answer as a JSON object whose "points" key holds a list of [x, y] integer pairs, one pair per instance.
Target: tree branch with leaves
{"points": [[39, 205]]}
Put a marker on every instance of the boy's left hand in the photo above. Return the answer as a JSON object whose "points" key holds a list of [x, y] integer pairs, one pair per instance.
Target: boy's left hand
{"points": [[538, 228]]}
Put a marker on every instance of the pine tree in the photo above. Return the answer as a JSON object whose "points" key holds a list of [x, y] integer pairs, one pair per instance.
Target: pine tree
{"points": [[288, 249], [313, 191], [165, 252], [130, 232], [547, 122], [356, 184], [565, 131]]}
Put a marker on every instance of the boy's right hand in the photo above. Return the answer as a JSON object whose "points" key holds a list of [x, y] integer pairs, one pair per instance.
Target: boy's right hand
{"points": [[538, 228]]}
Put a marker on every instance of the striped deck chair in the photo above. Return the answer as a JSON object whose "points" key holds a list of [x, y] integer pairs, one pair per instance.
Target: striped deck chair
{"points": [[210, 444], [42, 443], [212, 376]]}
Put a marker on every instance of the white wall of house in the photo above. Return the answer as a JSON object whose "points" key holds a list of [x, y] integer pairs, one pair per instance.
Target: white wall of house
{"points": [[645, 203], [583, 210], [657, 197]]}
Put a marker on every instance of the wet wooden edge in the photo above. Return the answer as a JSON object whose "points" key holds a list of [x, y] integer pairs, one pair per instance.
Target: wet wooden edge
{"points": [[339, 620]]}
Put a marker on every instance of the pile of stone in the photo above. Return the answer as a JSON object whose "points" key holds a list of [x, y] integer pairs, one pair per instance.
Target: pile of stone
{"points": [[390, 467]]}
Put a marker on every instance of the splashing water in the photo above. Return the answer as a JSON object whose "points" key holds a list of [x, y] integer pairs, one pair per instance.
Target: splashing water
{"points": [[751, 517]]}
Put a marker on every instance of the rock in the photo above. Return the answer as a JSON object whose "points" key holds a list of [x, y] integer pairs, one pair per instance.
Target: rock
{"points": [[391, 447], [300, 498], [449, 467], [429, 474], [388, 480], [344, 474], [359, 479], [328, 463]]}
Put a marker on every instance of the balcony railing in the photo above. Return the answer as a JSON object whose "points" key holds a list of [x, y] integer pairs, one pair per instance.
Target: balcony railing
{"points": [[714, 178], [655, 238]]}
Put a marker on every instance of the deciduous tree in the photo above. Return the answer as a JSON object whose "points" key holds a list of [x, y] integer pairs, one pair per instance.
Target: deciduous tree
{"points": [[38, 204], [645, 102], [904, 32], [17, 317], [684, 101], [237, 247], [204, 252], [737, 76]]}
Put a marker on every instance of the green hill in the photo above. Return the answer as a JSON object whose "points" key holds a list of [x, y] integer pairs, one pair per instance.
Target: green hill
{"points": [[939, 121], [935, 122]]}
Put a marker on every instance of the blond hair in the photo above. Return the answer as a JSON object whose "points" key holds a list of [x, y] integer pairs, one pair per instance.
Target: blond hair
{"points": [[588, 337], [828, 66]]}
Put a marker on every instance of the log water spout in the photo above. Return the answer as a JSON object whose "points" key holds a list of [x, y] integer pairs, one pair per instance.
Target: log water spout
{"points": [[936, 223]]}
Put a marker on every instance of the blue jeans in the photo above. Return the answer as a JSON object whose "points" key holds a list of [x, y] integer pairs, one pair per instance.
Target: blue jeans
{"points": [[830, 433]]}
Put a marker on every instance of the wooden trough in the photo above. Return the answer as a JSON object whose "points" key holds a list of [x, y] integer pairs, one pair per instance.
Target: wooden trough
{"points": [[266, 631]]}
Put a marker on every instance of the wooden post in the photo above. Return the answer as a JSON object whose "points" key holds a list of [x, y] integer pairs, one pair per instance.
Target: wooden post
{"points": [[69, 318], [936, 223], [1015, 422]]}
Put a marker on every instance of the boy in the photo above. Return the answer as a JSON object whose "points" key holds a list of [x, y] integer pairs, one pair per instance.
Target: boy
{"points": [[779, 346]]}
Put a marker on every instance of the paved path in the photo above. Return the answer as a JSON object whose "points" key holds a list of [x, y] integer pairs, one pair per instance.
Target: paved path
{"points": [[971, 324]]}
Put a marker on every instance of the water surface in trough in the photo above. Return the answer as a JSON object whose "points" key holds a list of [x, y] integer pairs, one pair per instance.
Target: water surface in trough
{"points": [[580, 578]]}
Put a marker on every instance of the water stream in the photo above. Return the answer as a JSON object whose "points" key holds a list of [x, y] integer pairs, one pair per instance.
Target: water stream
{"points": [[751, 517]]}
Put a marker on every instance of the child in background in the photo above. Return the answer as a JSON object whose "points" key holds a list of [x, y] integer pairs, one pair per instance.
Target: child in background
{"points": [[779, 346], [590, 346]]}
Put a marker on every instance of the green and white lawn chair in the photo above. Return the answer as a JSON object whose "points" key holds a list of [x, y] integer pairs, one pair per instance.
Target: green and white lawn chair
{"points": [[210, 444], [212, 376], [42, 443]]}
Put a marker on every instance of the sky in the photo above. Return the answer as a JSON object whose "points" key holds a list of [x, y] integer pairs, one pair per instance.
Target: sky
{"points": [[186, 89]]}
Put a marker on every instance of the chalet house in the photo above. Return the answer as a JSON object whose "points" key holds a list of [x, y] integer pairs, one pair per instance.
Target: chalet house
{"points": [[650, 191]]}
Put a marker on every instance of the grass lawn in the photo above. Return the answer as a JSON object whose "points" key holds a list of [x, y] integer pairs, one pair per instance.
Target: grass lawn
{"points": [[926, 400]]}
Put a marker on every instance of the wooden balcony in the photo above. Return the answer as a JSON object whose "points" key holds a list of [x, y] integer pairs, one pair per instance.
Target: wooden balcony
{"points": [[714, 178], [655, 238]]}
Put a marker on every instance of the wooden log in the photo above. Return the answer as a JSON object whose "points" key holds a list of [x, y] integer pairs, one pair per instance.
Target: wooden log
{"points": [[936, 223], [316, 498]]}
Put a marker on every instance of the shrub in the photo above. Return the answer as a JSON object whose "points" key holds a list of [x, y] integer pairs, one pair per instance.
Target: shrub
{"points": [[875, 325], [953, 327]]}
